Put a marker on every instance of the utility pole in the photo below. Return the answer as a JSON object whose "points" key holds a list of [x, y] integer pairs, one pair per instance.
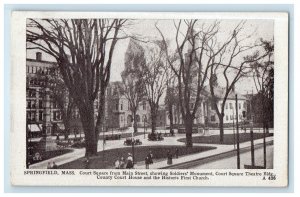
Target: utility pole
{"points": [[264, 130], [251, 134], [233, 128], [237, 133]]}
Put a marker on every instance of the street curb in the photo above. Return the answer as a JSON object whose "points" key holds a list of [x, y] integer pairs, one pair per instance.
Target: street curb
{"points": [[188, 164]]}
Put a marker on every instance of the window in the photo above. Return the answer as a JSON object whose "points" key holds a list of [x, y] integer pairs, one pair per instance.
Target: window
{"points": [[239, 105], [55, 105], [32, 93], [40, 104], [117, 106], [56, 115], [231, 117], [33, 69], [33, 104], [28, 104], [213, 118], [145, 118], [121, 106], [40, 115], [144, 105], [226, 117], [137, 118], [226, 106], [32, 116], [230, 105]]}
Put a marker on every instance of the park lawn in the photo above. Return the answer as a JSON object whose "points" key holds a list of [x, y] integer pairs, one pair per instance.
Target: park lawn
{"points": [[140, 152], [228, 138]]}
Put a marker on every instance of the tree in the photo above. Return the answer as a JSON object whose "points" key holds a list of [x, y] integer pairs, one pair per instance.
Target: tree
{"points": [[193, 42], [263, 77], [154, 79], [133, 88], [232, 63], [83, 49], [171, 99]]}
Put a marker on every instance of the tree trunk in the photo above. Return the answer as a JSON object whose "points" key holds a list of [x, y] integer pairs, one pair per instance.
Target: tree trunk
{"points": [[153, 120], [88, 123], [101, 114], [188, 122], [171, 118], [221, 127], [67, 127], [134, 123]]}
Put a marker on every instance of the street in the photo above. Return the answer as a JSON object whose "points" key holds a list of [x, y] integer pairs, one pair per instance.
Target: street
{"points": [[230, 163]]}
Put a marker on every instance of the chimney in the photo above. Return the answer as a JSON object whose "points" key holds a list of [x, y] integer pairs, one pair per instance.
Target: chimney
{"points": [[38, 56]]}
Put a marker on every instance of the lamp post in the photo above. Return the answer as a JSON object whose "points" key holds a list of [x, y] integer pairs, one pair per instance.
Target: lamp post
{"points": [[132, 144], [144, 127]]}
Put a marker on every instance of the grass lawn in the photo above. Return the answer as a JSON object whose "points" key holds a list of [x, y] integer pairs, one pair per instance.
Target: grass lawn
{"points": [[140, 152], [228, 138]]}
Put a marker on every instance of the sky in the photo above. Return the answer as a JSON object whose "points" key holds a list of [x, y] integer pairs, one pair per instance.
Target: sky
{"points": [[146, 29]]}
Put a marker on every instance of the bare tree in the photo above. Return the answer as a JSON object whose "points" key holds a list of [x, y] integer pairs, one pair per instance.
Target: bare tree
{"points": [[154, 78], [133, 88], [83, 49], [193, 41], [232, 63], [171, 98]]}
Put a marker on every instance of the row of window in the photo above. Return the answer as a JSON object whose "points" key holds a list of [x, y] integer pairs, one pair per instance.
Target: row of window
{"points": [[32, 104], [120, 106], [213, 117], [38, 69], [231, 106], [39, 116]]}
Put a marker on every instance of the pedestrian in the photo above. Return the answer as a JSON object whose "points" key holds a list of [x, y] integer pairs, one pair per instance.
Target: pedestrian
{"points": [[54, 166], [122, 163], [129, 164], [117, 164], [150, 157], [169, 158], [147, 162], [49, 165], [176, 153]]}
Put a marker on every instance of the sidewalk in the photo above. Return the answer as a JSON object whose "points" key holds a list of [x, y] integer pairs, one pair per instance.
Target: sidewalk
{"points": [[112, 144]]}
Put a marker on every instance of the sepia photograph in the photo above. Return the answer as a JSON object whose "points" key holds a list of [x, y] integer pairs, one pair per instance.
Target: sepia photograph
{"points": [[120, 93], [151, 93]]}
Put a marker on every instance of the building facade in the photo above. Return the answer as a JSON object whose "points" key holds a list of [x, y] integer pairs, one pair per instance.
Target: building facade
{"points": [[42, 113]]}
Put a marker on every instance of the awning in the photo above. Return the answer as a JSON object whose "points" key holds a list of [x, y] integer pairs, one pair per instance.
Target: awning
{"points": [[34, 127]]}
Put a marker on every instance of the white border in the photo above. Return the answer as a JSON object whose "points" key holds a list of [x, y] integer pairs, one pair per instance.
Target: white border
{"points": [[18, 102]]}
